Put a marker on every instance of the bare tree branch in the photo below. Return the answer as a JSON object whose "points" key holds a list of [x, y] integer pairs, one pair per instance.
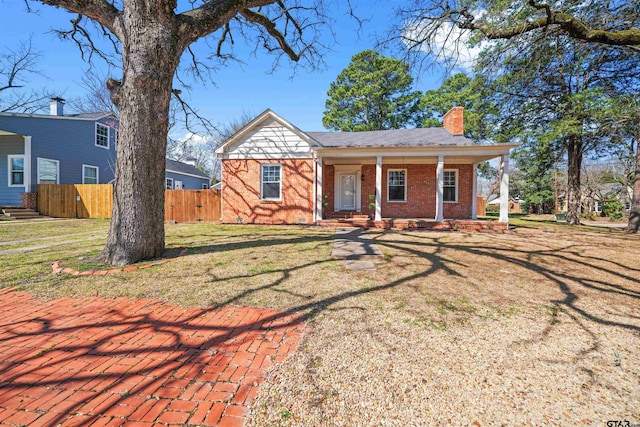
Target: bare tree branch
{"points": [[101, 11], [571, 25], [15, 68], [81, 36], [270, 26]]}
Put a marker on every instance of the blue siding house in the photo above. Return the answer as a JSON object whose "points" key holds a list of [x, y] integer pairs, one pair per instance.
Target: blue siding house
{"points": [[54, 149], [59, 148], [185, 176]]}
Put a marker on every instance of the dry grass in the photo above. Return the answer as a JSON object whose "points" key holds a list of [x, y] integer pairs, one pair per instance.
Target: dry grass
{"points": [[539, 326]]}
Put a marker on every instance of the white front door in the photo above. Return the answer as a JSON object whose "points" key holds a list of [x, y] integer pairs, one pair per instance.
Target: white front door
{"points": [[347, 192]]}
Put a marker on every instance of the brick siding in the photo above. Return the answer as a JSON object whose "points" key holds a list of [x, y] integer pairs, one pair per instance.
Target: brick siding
{"points": [[421, 191], [241, 192]]}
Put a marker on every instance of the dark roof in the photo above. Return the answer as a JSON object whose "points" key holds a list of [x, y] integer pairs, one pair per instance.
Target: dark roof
{"points": [[90, 115], [390, 138], [179, 167], [83, 116]]}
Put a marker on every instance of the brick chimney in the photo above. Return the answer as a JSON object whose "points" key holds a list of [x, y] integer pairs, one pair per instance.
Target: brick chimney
{"points": [[56, 106], [453, 121]]}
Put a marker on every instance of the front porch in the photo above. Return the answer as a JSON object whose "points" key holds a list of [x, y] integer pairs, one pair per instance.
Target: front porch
{"points": [[406, 189], [468, 225]]}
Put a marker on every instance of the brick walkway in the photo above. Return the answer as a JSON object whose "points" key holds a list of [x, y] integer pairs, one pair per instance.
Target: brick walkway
{"points": [[125, 362]]}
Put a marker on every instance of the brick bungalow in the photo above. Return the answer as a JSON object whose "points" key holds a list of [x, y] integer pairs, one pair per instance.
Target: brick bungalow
{"points": [[274, 173]]}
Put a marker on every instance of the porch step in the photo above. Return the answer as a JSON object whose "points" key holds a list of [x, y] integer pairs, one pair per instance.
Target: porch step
{"points": [[20, 213], [347, 215], [415, 224]]}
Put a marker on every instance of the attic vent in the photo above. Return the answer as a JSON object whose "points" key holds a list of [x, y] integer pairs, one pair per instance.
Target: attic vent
{"points": [[239, 220]]}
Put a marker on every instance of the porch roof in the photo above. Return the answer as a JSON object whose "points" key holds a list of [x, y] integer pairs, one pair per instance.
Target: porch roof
{"points": [[8, 133], [420, 137]]}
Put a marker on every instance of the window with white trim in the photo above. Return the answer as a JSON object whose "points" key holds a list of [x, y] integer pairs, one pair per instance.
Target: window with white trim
{"points": [[397, 185], [48, 171], [205, 186], [16, 170], [89, 174], [102, 135], [168, 183], [450, 186], [597, 206], [270, 182]]}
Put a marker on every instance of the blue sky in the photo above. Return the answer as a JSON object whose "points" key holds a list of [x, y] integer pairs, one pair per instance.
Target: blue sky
{"points": [[250, 87]]}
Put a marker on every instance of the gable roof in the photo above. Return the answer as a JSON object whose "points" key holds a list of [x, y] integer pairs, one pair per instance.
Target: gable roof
{"points": [[428, 139], [420, 137], [184, 169], [253, 124]]}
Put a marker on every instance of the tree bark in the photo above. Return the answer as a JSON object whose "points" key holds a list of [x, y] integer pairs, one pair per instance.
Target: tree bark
{"points": [[634, 214], [574, 154], [149, 59]]}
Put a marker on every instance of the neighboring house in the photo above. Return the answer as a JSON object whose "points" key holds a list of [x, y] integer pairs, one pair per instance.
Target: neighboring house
{"points": [[185, 176], [272, 172], [54, 149], [600, 194], [514, 204]]}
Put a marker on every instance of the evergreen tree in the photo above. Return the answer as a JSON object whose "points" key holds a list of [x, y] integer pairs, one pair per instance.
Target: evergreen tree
{"points": [[373, 93]]}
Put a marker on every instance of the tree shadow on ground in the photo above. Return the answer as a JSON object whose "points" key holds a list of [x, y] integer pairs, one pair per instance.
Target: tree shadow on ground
{"points": [[57, 364]]}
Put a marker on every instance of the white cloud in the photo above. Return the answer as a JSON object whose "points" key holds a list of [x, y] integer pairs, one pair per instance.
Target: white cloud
{"points": [[447, 44]]}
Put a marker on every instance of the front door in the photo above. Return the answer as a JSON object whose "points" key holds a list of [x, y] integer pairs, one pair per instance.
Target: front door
{"points": [[347, 193]]}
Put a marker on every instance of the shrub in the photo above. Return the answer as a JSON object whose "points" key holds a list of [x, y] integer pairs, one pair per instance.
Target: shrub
{"points": [[614, 210]]}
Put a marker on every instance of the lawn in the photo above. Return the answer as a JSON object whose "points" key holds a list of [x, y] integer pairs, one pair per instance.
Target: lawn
{"points": [[537, 326]]}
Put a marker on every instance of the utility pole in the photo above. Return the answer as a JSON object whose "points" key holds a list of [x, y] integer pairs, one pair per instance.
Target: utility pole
{"points": [[555, 176]]}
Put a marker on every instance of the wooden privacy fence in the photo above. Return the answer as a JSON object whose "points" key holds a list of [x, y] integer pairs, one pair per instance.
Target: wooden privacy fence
{"points": [[192, 205], [96, 201], [75, 200]]}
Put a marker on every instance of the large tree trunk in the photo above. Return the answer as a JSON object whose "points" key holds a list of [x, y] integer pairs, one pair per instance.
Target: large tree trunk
{"points": [[574, 154], [150, 57], [634, 214]]}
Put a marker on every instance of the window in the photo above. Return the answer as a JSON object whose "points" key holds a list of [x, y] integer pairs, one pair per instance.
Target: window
{"points": [[16, 171], [450, 187], [597, 206], [270, 182], [205, 186], [168, 183], [627, 206], [89, 174], [397, 185], [48, 171], [102, 136]]}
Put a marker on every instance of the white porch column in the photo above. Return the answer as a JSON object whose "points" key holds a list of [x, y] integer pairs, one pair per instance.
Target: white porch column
{"points": [[440, 189], [504, 189], [378, 216], [27, 164], [319, 195], [474, 200]]}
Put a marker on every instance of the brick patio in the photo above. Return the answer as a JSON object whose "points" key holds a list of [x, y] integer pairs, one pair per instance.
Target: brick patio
{"points": [[128, 362]]}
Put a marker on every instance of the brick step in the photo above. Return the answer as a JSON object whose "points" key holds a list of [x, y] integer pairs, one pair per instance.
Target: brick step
{"points": [[404, 224], [347, 215]]}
